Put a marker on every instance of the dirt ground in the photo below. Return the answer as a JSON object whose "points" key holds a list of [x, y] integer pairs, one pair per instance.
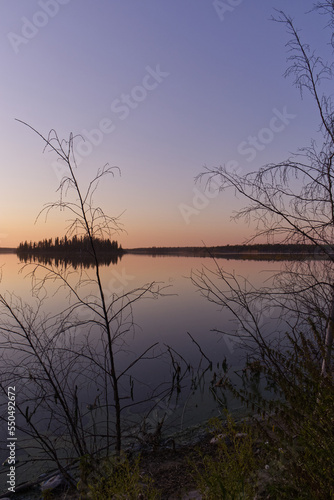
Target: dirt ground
{"points": [[172, 470]]}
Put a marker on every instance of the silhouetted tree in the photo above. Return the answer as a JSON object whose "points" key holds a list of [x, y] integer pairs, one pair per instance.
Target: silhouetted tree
{"points": [[61, 360], [292, 212], [288, 327]]}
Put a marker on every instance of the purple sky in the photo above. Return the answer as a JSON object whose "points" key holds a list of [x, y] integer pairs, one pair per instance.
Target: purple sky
{"points": [[159, 89]]}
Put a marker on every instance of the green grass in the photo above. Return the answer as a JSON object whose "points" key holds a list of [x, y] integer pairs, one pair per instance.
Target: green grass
{"points": [[230, 475], [118, 478]]}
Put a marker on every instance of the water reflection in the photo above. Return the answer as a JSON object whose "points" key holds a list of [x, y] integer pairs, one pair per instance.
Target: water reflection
{"points": [[166, 319], [162, 320], [76, 261]]}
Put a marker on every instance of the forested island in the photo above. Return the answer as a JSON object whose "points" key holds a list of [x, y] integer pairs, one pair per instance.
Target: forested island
{"points": [[76, 251]]}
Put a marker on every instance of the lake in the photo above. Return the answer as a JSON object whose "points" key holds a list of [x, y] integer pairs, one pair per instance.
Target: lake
{"points": [[166, 319]]}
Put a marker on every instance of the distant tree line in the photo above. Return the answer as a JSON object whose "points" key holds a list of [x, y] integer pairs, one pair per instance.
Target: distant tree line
{"points": [[276, 248], [232, 250]]}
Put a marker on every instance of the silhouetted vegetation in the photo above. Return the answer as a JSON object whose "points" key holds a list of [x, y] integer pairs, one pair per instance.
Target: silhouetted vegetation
{"points": [[75, 251], [254, 252], [80, 394], [287, 325]]}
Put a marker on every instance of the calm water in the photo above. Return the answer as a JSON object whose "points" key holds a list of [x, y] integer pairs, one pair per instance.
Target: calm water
{"points": [[166, 319], [179, 309]]}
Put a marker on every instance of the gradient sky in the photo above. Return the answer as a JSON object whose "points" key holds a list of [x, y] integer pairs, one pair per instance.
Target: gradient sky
{"points": [[175, 85]]}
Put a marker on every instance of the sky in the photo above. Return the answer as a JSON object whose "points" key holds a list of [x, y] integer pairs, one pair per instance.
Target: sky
{"points": [[158, 89]]}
